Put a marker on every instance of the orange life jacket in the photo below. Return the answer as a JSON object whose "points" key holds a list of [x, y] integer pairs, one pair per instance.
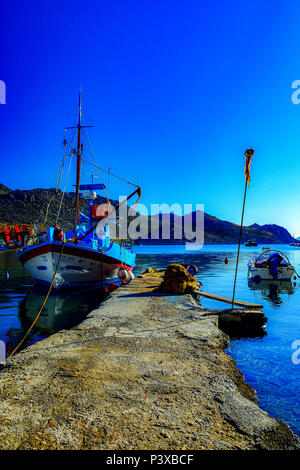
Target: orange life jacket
{"points": [[58, 234], [18, 233], [6, 232]]}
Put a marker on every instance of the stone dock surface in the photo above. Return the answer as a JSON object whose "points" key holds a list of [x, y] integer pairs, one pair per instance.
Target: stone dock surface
{"points": [[143, 371]]}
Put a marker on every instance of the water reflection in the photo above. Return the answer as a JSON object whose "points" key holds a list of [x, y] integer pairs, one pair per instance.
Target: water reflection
{"points": [[272, 290], [61, 310]]}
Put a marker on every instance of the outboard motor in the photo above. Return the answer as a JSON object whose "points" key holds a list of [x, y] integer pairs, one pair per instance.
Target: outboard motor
{"points": [[273, 263]]}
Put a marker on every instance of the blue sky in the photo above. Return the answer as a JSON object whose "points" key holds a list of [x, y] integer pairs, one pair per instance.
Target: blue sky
{"points": [[176, 90]]}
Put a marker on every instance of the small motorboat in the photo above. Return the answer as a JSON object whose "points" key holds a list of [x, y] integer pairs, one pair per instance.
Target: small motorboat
{"points": [[251, 243], [270, 265]]}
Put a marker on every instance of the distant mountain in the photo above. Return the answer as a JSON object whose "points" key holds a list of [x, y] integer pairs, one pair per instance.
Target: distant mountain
{"points": [[30, 206], [217, 231]]}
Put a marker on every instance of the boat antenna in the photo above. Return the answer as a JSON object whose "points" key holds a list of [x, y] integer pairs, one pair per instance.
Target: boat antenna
{"points": [[78, 161]]}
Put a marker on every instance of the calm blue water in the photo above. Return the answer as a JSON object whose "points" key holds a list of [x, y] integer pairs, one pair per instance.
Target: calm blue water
{"points": [[20, 302], [266, 362]]}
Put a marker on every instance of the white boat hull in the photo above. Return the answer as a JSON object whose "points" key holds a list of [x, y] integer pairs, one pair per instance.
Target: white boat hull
{"points": [[77, 267], [284, 273]]}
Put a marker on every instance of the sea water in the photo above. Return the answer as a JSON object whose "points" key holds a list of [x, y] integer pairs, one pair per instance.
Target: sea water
{"points": [[267, 362]]}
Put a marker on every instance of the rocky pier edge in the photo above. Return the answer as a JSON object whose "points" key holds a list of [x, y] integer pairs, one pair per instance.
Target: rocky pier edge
{"points": [[143, 371]]}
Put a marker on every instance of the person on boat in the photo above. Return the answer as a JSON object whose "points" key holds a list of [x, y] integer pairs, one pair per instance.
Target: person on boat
{"points": [[58, 234], [6, 233]]}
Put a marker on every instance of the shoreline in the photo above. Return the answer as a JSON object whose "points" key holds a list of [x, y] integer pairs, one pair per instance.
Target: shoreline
{"points": [[143, 371]]}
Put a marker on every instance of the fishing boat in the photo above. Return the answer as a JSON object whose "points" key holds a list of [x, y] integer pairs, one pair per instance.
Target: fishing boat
{"points": [[270, 265], [85, 256], [250, 243]]}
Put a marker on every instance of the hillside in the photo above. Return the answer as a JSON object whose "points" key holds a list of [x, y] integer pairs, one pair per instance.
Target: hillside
{"points": [[217, 232], [29, 206]]}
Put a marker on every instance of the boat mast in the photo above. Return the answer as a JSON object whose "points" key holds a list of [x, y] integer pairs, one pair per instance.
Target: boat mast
{"points": [[78, 162], [79, 126]]}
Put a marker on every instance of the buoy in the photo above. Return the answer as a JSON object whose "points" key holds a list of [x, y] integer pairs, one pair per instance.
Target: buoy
{"points": [[131, 275], [226, 260], [125, 276]]}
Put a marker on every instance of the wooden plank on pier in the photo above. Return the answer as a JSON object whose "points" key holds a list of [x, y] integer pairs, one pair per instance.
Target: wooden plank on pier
{"points": [[239, 303]]}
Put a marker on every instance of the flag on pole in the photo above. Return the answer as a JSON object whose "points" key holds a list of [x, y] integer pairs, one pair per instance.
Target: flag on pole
{"points": [[249, 153]]}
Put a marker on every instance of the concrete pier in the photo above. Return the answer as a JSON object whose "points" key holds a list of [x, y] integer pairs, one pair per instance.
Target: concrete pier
{"points": [[143, 371]]}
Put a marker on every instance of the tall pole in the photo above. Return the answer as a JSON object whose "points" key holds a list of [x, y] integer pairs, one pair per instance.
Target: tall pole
{"points": [[249, 153], [78, 163]]}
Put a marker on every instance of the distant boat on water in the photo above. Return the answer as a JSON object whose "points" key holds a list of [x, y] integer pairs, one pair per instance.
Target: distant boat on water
{"points": [[296, 244], [250, 243]]}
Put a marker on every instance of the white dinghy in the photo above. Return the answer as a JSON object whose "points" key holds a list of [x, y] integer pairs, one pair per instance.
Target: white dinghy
{"points": [[271, 265]]}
